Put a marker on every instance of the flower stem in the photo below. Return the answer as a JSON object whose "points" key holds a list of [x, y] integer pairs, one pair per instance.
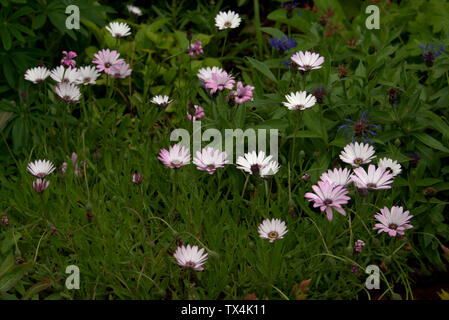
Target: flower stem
{"points": [[224, 44]]}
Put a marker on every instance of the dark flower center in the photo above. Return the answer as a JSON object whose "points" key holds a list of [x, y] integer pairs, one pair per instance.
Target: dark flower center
{"points": [[107, 65], [211, 167], [87, 79], [358, 161], [327, 201], [273, 235], [255, 169], [190, 264], [393, 226], [371, 185], [228, 24]]}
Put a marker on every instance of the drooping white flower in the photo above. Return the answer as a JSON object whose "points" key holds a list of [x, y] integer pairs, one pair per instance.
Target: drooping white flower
{"points": [[63, 75], [190, 257], [37, 74], [299, 101], [40, 168], [209, 159], [68, 92], [119, 29], [257, 164], [339, 177], [87, 75], [134, 10], [394, 221], [374, 179], [307, 61], [162, 101]]}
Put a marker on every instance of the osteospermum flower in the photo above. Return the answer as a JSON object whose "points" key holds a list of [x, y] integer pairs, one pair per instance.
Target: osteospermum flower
{"points": [[205, 74], [243, 93], [209, 159], [40, 168], [257, 164], [299, 101], [195, 113], [106, 59], [328, 196], [374, 179], [87, 75], [227, 20], [36, 75], [391, 165], [68, 92], [162, 101], [272, 229], [68, 59], [40, 185], [134, 10], [120, 70], [119, 29], [175, 157], [190, 257], [220, 81], [339, 177], [63, 75], [357, 154], [307, 61], [394, 221]]}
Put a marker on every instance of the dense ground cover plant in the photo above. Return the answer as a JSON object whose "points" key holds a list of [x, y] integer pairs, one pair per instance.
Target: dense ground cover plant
{"points": [[89, 175]]}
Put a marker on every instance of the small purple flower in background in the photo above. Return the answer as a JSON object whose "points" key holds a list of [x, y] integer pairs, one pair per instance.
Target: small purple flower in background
{"points": [[195, 49], [175, 157], [195, 112], [5, 221], [63, 167], [68, 59], [355, 270], [77, 169], [429, 53], [243, 93], [320, 93], [414, 159], [283, 43], [360, 128], [40, 185], [137, 178], [394, 221], [289, 7], [359, 244], [306, 177], [328, 196]]}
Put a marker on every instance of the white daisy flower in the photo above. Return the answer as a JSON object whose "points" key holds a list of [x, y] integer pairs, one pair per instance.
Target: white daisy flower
{"points": [[299, 101], [63, 75], [339, 177], [162, 101], [357, 154], [209, 159], [68, 92], [87, 75], [175, 157], [37, 74], [190, 257], [227, 20], [390, 164], [272, 230], [258, 164], [374, 179], [307, 61], [205, 74], [134, 10], [119, 29], [40, 168]]}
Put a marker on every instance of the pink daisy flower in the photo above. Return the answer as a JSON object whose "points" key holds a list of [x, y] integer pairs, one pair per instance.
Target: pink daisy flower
{"points": [[374, 179], [243, 93], [107, 60], [175, 157], [328, 196], [393, 222], [195, 112], [209, 159], [120, 70], [220, 81], [190, 257], [68, 59]]}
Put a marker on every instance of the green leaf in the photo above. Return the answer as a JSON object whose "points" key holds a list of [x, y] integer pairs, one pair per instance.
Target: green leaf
{"points": [[260, 66], [6, 265], [6, 38], [273, 32], [430, 141], [19, 133], [9, 280], [9, 72], [38, 287]]}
